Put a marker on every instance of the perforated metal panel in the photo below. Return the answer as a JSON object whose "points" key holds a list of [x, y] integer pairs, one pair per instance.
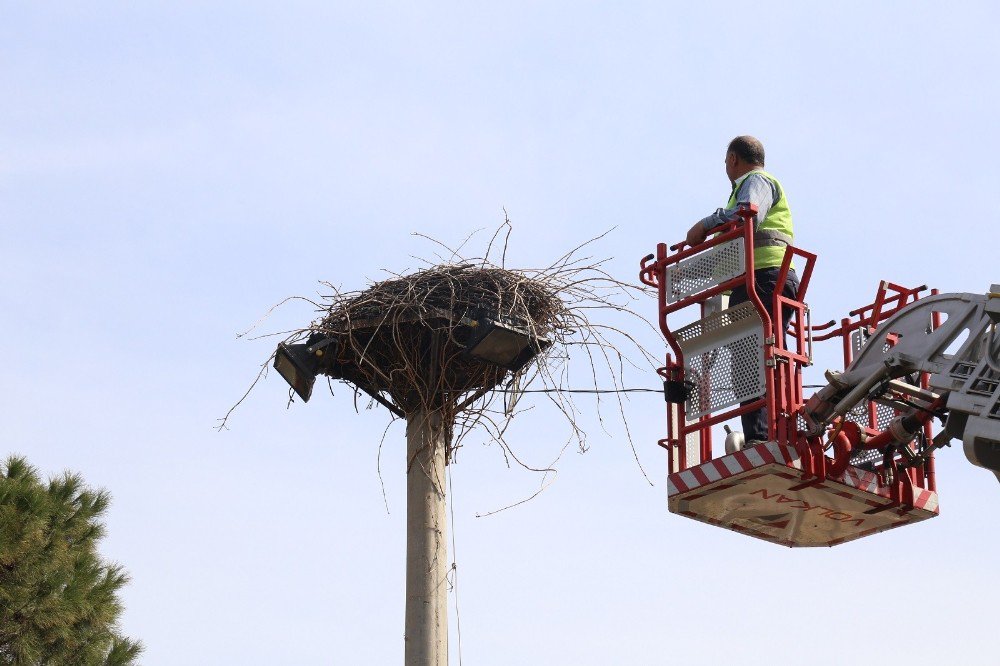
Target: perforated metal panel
{"points": [[702, 271], [691, 444], [800, 423], [723, 359], [884, 414], [867, 458], [858, 414]]}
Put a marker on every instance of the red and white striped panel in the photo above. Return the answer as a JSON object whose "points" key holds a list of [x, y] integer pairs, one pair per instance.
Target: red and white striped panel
{"points": [[736, 463], [860, 479], [868, 482], [763, 492]]}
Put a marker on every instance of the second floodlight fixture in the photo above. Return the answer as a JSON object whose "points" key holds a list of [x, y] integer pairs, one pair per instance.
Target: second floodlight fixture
{"points": [[508, 346], [299, 363]]}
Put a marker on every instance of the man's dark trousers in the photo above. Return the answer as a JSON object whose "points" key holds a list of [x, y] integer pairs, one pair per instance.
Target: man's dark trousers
{"points": [[766, 280]]}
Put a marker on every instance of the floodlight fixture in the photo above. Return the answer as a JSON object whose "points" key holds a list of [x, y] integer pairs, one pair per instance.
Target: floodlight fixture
{"points": [[299, 363], [508, 346]]}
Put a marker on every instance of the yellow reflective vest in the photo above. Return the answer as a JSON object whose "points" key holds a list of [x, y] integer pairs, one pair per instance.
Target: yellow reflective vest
{"points": [[775, 231]]}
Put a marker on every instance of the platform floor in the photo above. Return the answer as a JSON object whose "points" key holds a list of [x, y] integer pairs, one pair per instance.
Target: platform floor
{"points": [[760, 492]]}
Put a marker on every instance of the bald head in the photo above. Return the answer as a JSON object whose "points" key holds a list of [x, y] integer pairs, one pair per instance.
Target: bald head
{"points": [[743, 155], [748, 149]]}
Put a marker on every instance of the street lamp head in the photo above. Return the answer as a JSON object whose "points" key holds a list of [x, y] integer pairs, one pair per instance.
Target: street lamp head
{"points": [[299, 364], [510, 347]]}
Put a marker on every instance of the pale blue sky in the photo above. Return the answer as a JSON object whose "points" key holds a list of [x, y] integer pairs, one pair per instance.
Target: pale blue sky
{"points": [[168, 171]]}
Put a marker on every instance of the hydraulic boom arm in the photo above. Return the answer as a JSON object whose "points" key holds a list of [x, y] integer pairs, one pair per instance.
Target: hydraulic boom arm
{"points": [[964, 384]]}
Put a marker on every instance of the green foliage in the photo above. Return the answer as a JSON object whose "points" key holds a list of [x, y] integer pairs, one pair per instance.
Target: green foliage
{"points": [[58, 600]]}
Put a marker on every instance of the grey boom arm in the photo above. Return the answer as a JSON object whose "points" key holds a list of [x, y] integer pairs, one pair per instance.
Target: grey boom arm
{"points": [[965, 384]]}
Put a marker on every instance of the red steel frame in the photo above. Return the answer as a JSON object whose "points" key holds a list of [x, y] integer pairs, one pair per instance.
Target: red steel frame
{"points": [[783, 396], [889, 299]]}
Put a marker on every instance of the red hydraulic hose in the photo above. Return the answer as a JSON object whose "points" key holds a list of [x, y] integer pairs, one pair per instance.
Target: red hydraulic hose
{"points": [[841, 454]]}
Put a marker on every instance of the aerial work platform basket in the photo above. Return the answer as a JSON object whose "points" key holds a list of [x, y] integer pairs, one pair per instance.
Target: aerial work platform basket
{"points": [[763, 491], [797, 488]]}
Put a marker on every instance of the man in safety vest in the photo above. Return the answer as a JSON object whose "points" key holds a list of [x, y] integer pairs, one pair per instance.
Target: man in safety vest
{"points": [[773, 231]]}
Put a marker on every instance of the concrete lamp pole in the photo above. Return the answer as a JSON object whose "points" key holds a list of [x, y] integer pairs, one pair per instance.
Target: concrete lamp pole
{"points": [[426, 638]]}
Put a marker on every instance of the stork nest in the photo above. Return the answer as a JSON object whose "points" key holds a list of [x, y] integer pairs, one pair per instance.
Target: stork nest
{"points": [[405, 341], [409, 337]]}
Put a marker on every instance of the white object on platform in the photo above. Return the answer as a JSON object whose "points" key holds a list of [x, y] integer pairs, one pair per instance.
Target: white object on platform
{"points": [[734, 440]]}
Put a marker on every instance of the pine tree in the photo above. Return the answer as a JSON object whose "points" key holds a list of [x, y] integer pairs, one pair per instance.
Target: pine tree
{"points": [[58, 599]]}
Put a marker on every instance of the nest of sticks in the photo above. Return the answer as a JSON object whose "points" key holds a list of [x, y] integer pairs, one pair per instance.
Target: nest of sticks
{"points": [[405, 341], [409, 338]]}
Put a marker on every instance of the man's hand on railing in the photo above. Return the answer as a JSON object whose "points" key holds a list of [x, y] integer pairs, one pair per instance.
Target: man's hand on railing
{"points": [[696, 234]]}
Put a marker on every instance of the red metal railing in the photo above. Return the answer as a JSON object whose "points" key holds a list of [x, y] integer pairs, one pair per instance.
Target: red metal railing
{"points": [[782, 365], [784, 359]]}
